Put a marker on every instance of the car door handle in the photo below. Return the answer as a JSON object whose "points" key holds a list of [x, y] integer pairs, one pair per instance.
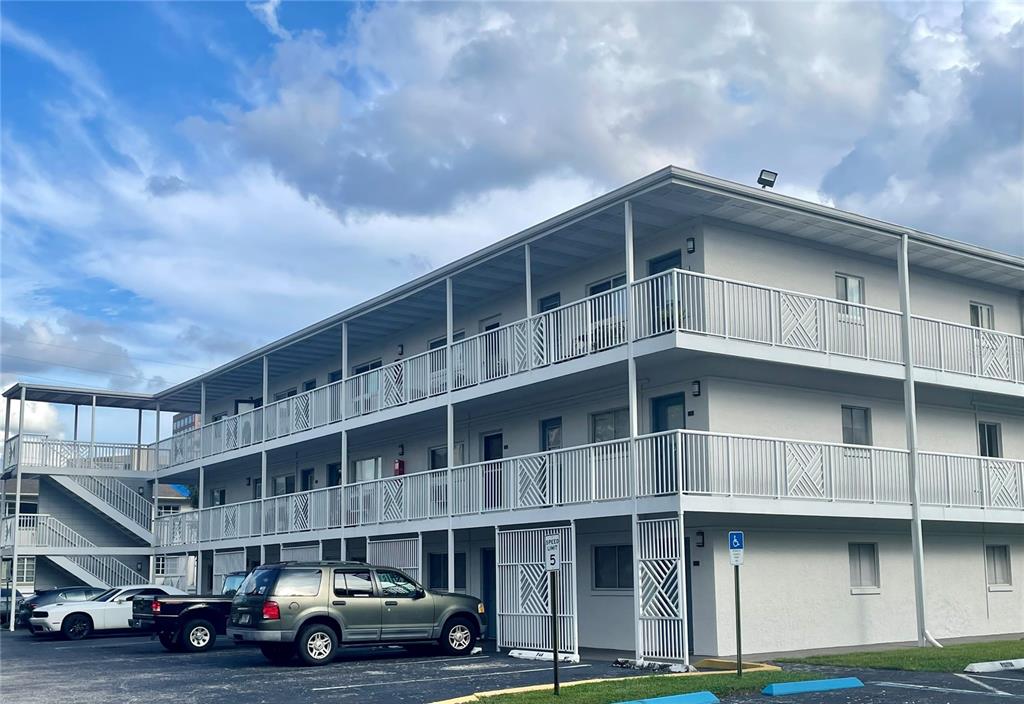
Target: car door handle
{"points": [[390, 603], [337, 603]]}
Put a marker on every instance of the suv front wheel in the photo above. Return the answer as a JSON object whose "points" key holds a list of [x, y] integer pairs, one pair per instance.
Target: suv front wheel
{"points": [[316, 644], [458, 636]]}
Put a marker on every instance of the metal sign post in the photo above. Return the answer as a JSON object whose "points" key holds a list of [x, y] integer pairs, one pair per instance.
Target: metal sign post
{"points": [[736, 543], [552, 563]]}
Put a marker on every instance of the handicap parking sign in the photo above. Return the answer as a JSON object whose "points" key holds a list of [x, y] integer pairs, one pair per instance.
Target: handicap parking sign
{"points": [[736, 547]]}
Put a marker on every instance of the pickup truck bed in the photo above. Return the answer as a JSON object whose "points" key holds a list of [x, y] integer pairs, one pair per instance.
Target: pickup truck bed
{"points": [[183, 623]]}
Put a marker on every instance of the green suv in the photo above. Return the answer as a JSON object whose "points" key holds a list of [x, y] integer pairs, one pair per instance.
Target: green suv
{"points": [[310, 609]]}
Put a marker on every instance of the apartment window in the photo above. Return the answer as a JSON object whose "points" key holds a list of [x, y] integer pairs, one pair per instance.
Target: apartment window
{"points": [[160, 565], [609, 425], [26, 573], [284, 484], [218, 416], [438, 456], [334, 474], [285, 394], [309, 385], [606, 284], [856, 425], [168, 510], [613, 567], [851, 289], [551, 434], [990, 440], [306, 479], [257, 487], [439, 342], [218, 497], [334, 376], [864, 568], [365, 470], [982, 316], [997, 565], [490, 323], [438, 572], [366, 366], [666, 262], [549, 302]]}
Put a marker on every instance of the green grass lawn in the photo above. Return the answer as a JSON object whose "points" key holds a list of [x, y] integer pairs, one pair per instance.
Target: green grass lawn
{"points": [[951, 658], [653, 686]]}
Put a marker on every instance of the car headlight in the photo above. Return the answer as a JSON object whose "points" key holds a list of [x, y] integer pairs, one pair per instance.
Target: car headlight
{"points": [[480, 607]]}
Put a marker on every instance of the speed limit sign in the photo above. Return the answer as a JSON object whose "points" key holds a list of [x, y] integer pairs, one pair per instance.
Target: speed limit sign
{"points": [[552, 552]]}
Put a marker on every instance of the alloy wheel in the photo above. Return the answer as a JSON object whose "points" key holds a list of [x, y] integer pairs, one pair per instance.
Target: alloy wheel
{"points": [[459, 637], [199, 636], [319, 646]]}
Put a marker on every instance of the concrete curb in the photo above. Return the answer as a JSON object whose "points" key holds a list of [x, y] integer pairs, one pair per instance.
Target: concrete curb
{"points": [[783, 688], [996, 666], [481, 696]]}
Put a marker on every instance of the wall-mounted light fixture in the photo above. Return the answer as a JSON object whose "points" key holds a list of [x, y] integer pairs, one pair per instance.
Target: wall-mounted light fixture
{"points": [[700, 538], [142, 491], [401, 449], [248, 481], [691, 245], [767, 178], [401, 350], [138, 566], [695, 387]]}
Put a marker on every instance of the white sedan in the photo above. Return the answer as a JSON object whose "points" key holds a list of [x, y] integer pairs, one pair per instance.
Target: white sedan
{"points": [[110, 610]]}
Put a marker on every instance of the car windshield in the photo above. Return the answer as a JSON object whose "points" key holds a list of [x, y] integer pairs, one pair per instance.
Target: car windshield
{"points": [[258, 582], [107, 595]]}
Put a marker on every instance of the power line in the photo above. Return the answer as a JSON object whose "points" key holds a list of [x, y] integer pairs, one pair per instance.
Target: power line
{"points": [[71, 366]]}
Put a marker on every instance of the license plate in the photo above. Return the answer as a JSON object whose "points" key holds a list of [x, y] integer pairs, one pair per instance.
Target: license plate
{"points": [[244, 619]]}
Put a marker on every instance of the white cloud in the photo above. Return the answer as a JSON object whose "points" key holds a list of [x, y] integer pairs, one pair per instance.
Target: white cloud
{"points": [[40, 418], [266, 13]]}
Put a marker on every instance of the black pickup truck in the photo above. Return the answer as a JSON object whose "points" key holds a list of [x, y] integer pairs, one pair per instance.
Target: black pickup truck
{"points": [[187, 623]]}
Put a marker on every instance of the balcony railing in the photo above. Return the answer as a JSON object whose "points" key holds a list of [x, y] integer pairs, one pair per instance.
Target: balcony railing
{"points": [[673, 301], [962, 349], [694, 462]]}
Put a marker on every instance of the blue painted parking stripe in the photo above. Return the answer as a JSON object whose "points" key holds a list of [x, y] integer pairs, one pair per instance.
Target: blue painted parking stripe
{"points": [[783, 688], [691, 698]]}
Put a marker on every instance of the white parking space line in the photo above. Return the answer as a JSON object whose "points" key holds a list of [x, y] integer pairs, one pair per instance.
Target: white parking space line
{"points": [[981, 684], [948, 690], [443, 679], [1018, 680]]}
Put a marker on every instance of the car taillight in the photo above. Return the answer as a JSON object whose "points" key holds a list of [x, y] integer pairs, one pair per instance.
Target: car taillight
{"points": [[271, 611], [155, 606]]}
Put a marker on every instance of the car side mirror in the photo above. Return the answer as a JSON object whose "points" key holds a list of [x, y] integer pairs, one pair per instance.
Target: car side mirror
{"points": [[230, 592], [421, 593]]}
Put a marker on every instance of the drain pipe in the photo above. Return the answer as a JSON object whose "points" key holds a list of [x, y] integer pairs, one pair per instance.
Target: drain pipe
{"points": [[924, 638]]}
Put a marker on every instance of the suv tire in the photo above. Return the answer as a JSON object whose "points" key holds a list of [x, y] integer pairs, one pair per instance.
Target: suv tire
{"points": [[198, 636], [278, 653], [317, 644], [458, 636], [170, 641], [76, 627]]}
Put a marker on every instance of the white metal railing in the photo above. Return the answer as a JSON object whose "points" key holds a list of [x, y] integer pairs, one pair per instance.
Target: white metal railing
{"points": [[674, 300], [952, 347], [691, 461], [44, 531], [697, 303], [119, 496], [407, 380]]}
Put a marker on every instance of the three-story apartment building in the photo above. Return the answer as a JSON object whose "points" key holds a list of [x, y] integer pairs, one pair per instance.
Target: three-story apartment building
{"points": [[681, 357]]}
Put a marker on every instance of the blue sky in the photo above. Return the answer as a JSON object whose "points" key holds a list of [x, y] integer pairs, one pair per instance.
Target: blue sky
{"points": [[185, 181]]}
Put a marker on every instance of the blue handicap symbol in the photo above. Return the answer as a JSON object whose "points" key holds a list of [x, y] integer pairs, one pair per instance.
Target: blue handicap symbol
{"points": [[736, 540]]}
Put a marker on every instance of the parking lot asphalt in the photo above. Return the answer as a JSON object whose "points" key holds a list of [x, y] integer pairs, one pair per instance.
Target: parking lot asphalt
{"points": [[131, 669], [136, 669]]}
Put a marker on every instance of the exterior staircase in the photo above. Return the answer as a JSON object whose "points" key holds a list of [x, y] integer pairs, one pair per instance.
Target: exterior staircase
{"points": [[44, 531], [115, 499]]}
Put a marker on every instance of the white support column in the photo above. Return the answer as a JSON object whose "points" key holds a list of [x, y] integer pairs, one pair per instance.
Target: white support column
{"points": [[344, 549], [263, 502], [910, 413], [75, 432], [17, 513], [451, 558], [138, 446], [634, 422], [92, 434], [7, 421], [266, 380], [529, 281], [320, 549], [492, 619], [450, 427], [344, 350], [199, 571], [157, 440]]}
